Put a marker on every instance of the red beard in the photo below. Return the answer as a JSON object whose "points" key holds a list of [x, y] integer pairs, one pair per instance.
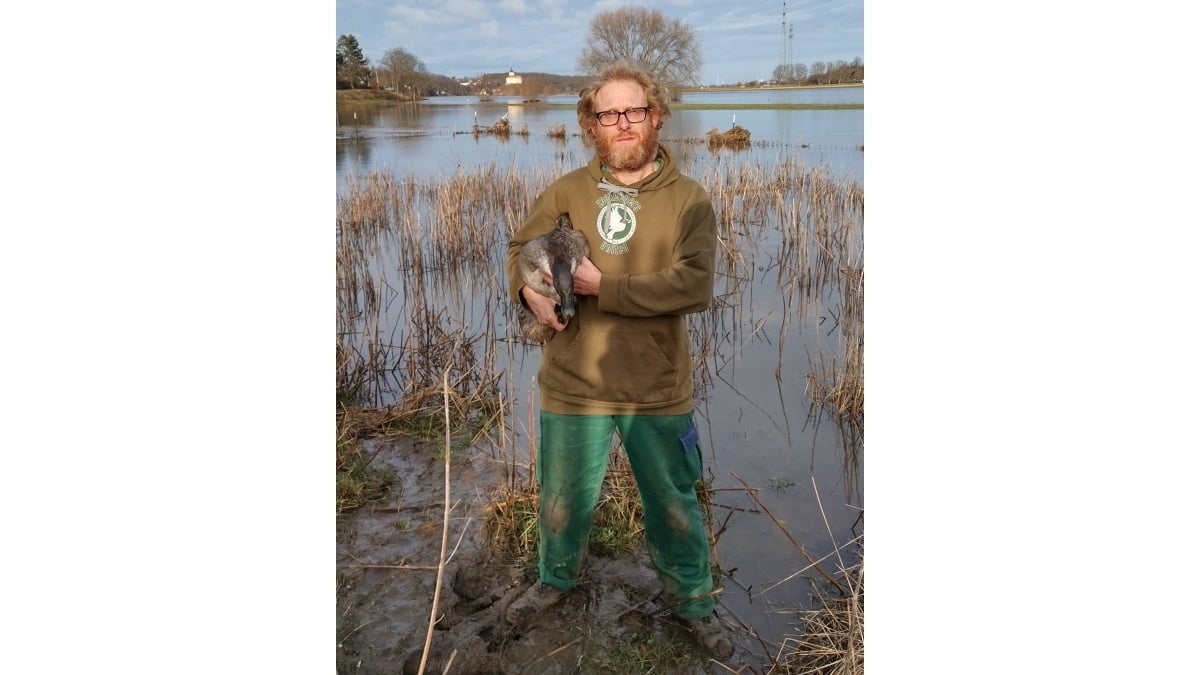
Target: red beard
{"points": [[628, 157]]}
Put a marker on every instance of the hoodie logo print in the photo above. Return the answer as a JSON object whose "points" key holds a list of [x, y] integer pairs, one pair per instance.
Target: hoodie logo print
{"points": [[617, 222]]}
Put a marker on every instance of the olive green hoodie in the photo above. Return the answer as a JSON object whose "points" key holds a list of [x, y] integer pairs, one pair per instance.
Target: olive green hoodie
{"points": [[627, 349]]}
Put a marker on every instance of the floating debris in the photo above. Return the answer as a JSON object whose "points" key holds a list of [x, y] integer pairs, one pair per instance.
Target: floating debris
{"points": [[736, 137], [500, 128]]}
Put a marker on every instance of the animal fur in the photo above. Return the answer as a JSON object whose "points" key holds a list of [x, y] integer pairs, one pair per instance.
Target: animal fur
{"points": [[557, 254]]}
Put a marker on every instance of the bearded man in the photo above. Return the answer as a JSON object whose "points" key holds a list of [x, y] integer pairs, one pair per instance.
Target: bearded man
{"points": [[623, 363]]}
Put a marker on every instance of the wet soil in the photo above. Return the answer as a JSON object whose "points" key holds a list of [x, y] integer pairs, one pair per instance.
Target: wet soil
{"points": [[387, 557]]}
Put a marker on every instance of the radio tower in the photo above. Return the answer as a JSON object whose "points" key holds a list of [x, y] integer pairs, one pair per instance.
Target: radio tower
{"points": [[789, 48], [783, 35]]}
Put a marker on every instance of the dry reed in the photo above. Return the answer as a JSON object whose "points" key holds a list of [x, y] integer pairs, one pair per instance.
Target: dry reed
{"points": [[830, 637], [441, 568]]}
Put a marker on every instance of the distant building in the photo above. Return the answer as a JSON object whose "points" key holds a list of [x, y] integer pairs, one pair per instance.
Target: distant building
{"points": [[512, 78]]}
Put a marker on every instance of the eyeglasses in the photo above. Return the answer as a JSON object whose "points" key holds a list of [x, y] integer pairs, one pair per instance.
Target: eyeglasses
{"points": [[634, 115]]}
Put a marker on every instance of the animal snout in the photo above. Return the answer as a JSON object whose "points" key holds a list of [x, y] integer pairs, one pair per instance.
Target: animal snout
{"points": [[567, 307]]}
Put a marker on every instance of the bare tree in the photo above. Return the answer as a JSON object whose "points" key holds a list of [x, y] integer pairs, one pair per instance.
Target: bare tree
{"points": [[819, 69], [403, 72], [665, 47], [838, 71], [790, 73]]}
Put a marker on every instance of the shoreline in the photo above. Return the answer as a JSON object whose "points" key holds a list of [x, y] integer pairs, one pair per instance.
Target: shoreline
{"points": [[380, 96]]}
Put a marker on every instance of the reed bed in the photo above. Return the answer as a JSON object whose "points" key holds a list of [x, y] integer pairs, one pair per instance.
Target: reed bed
{"points": [[829, 640], [443, 241], [421, 295], [818, 243]]}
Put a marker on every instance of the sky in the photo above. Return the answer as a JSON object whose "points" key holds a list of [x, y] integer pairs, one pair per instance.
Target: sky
{"points": [[739, 41]]}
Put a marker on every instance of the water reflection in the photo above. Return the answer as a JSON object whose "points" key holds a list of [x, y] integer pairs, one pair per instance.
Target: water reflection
{"points": [[354, 152], [426, 138]]}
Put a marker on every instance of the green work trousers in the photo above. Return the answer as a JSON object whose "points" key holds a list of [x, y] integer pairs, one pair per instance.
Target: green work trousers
{"points": [[664, 454]]}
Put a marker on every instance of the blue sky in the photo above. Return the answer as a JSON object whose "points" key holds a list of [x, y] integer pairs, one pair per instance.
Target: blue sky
{"points": [[739, 41]]}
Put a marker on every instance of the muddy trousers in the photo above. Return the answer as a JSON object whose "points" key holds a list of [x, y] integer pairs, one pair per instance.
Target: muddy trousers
{"points": [[664, 454]]}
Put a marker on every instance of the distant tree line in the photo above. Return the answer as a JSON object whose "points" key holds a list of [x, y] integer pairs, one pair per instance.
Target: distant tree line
{"points": [[401, 72], [820, 72], [665, 47]]}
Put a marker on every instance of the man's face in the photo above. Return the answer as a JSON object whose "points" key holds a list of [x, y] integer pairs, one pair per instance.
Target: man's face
{"points": [[625, 146]]}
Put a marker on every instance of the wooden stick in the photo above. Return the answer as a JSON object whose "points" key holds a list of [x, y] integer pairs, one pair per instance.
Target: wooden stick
{"points": [[389, 567], [837, 549], [549, 654], [533, 434], [437, 586]]}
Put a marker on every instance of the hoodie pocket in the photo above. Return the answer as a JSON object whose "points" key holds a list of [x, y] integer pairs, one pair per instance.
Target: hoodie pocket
{"points": [[614, 366]]}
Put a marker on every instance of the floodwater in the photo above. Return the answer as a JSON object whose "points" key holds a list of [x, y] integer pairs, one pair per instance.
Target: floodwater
{"points": [[432, 137], [757, 422]]}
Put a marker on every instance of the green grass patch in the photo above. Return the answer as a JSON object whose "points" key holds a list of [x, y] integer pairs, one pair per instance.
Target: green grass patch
{"points": [[781, 484], [653, 652], [357, 480], [369, 96], [614, 539]]}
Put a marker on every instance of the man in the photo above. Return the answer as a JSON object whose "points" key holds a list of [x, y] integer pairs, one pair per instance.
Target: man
{"points": [[623, 362]]}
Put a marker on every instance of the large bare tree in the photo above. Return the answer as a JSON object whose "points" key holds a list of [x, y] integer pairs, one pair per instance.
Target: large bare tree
{"points": [[403, 72], [665, 47]]}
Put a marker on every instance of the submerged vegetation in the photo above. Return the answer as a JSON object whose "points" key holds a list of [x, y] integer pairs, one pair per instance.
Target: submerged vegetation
{"points": [[423, 326]]}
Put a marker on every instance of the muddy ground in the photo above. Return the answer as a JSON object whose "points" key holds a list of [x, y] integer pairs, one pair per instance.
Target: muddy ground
{"points": [[387, 555]]}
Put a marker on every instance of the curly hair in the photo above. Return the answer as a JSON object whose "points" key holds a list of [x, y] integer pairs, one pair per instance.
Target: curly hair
{"points": [[585, 110]]}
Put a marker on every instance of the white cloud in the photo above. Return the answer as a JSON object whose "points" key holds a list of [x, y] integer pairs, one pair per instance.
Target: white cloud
{"points": [[467, 37], [444, 13], [489, 28]]}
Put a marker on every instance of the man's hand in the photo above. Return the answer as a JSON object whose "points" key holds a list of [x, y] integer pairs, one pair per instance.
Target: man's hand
{"points": [[542, 308], [587, 278]]}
